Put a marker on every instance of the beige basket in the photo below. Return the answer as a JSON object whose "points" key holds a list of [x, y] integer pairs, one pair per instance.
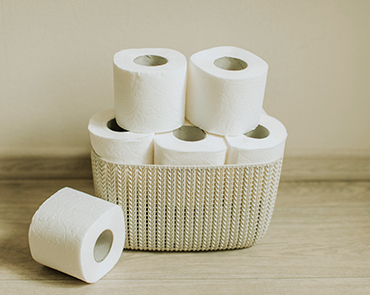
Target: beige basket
{"points": [[190, 208]]}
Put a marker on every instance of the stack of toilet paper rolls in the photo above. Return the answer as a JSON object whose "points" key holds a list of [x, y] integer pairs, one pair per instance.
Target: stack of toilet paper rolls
{"points": [[169, 113]]}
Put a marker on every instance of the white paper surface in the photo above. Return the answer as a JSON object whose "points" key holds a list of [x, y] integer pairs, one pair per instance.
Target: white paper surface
{"points": [[119, 147], [149, 98], [65, 229], [169, 150], [225, 102], [248, 150]]}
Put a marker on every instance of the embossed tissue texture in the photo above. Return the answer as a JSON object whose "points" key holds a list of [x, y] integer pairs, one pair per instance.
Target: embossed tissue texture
{"points": [[222, 101], [65, 228], [150, 98], [247, 150], [119, 147], [168, 150]]}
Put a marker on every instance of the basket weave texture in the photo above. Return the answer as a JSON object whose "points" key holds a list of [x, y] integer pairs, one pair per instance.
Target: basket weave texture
{"points": [[190, 208]]}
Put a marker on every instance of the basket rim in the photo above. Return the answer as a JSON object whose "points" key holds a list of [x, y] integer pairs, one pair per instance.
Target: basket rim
{"points": [[94, 154]]}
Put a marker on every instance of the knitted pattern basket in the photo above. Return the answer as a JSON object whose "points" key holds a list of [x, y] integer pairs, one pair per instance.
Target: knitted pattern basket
{"points": [[190, 208]]}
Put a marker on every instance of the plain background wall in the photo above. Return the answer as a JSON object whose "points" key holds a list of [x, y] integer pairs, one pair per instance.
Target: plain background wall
{"points": [[56, 65]]}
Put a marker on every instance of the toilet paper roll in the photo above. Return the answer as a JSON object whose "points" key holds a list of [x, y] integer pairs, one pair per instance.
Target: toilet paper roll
{"points": [[77, 234], [262, 145], [189, 145], [226, 87], [117, 145], [149, 89]]}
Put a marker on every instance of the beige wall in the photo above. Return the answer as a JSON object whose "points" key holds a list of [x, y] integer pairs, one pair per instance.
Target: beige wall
{"points": [[56, 64]]}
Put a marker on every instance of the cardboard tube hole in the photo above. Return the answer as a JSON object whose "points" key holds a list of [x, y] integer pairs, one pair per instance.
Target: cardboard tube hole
{"points": [[103, 245], [150, 60], [189, 133], [230, 63], [112, 125], [259, 132]]}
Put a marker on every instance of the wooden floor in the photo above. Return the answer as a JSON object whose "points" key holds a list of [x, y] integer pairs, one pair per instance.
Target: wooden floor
{"points": [[318, 243]]}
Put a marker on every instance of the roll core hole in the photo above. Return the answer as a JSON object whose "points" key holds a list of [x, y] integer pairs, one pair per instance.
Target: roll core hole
{"points": [[103, 245], [112, 125], [259, 132], [189, 133], [150, 60], [230, 63]]}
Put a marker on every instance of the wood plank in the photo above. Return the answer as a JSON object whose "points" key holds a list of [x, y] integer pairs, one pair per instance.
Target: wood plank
{"points": [[305, 240], [328, 167], [47, 167], [323, 194], [335, 286]]}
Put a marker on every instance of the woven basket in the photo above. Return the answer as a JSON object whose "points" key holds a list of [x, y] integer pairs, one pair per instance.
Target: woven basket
{"points": [[190, 208]]}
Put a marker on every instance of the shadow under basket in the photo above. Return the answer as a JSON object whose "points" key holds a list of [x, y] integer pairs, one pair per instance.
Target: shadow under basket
{"points": [[190, 208]]}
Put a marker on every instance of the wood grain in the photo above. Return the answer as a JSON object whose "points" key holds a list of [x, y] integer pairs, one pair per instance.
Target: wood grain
{"points": [[358, 286], [318, 243], [47, 167], [334, 168]]}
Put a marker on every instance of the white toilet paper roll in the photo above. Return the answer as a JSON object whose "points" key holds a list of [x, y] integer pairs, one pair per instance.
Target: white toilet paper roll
{"points": [[226, 87], [149, 89], [77, 234], [117, 145], [189, 145], [262, 145]]}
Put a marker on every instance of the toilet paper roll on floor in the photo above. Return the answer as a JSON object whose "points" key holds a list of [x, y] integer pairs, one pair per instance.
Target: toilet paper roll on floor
{"points": [[77, 234], [149, 89], [262, 145], [189, 145], [226, 87], [117, 145]]}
